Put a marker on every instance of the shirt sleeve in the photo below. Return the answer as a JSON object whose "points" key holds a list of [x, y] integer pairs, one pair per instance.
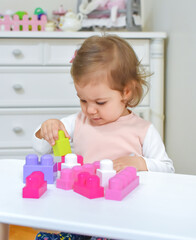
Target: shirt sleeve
{"points": [[154, 152], [42, 146]]}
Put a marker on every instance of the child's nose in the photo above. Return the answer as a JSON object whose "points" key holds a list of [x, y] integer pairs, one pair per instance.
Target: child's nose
{"points": [[91, 109]]}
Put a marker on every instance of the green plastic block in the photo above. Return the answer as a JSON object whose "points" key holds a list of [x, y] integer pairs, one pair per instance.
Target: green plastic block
{"points": [[62, 145]]}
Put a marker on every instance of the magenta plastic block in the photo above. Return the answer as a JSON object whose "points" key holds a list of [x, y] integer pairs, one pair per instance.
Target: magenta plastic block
{"points": [[88, 186], [96, 165], [35, 186], [46, 165], [80, 159], [59, 163], [122, 184]]}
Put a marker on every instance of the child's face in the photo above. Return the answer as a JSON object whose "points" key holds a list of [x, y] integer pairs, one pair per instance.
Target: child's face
{"points": [[99, 102]]}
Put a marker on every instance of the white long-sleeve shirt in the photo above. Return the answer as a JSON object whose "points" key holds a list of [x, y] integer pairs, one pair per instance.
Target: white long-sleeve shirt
{"points": [[152, 147]]}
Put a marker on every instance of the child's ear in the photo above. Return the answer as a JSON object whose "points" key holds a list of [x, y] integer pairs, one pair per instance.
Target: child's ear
{"points": [[127, 92]]}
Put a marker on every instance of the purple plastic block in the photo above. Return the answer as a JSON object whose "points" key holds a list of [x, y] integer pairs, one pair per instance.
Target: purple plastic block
{"points": [[88, 186], [46, 165], [122, 184], [35, 186]]}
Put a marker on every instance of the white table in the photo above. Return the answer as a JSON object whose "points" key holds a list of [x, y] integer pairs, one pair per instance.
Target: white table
{"points": [[162, 207]]}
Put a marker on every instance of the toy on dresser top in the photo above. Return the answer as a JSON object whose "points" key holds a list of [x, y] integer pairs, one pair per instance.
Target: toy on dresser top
{"points": [[92, 180]]}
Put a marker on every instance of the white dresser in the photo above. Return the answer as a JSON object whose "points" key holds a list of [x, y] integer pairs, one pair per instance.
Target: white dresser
{"points": [[36, 84]]}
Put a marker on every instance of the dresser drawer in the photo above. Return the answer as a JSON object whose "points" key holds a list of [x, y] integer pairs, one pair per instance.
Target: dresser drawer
{"points": [[21, 52], [37, 87], [61, 52], [17, 125], [142, 50]]}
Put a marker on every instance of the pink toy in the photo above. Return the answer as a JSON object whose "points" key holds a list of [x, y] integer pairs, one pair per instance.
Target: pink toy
{"points": [[13, 24], [122, 184], [35, 186], [70, 175], [66, 179], [88, 186]]}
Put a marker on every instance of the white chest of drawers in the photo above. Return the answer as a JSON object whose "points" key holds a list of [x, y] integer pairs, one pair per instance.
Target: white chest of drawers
{"points": [[36, 83]]}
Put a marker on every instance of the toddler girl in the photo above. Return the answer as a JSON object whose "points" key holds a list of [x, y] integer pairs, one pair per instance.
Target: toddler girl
{"points": [[109, 82]]}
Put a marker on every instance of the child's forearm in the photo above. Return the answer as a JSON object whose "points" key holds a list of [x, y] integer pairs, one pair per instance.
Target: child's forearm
{"points": [[130, 161]]}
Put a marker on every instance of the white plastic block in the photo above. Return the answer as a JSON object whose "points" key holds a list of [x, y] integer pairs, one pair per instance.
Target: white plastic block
{"points": [[70, 161], [105, 172]]}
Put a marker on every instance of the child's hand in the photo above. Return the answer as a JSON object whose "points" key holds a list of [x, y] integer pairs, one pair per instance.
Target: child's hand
{"points": [[129, 161], [49, 130]]}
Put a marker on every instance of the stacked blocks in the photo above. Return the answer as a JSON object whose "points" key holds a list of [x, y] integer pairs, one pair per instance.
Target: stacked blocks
{"points": [[35, 186], [70, 161], [70, 175], [88, 186], [79, 160], [105, 172], [62, 145], [122, 184], [46, 166]]}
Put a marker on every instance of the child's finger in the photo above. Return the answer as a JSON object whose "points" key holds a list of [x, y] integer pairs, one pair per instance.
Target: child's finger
{"points": [[65, 131]]}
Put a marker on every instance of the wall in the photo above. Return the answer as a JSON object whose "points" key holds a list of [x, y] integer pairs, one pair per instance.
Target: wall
{"points": [[177, 18]]}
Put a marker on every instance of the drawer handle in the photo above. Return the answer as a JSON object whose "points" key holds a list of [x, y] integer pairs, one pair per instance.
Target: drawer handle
{"points": [[17, 87], [17, 52], [17, 129]]}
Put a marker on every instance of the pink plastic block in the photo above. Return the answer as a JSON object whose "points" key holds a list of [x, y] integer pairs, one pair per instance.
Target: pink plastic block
{"points": [[66, 179], [76, 171], [89, 168], [122, 184], [80, 159], [35, 186], [96, 165], [88, 186], [59, 163]]}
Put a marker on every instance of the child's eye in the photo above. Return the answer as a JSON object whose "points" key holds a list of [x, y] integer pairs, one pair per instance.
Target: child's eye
{"points": [[100, 103], [83, 101]]}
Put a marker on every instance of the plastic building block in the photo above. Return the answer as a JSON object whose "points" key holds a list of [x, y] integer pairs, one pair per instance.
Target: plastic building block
{"points": [[66, 179], [59, 163], [46, 165], [88, 186], [122, 184], [35, 186], [90, 168], [96, 165], [62, 145], [105, 172], [70, 161], [80, 159], [70, 175]]}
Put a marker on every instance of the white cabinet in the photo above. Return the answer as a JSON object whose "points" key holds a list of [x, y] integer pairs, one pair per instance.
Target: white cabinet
{"points": [[36, 84]]}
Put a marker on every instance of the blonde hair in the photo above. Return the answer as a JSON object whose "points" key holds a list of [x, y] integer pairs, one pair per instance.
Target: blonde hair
{"points": [[117, 57]]}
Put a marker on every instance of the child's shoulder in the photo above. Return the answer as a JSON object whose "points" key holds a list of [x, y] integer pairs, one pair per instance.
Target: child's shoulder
{"points": [[141, 122]]}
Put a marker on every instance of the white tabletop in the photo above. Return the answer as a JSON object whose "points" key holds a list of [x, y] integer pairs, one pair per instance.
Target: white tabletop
{"points": [[162, 207]]}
